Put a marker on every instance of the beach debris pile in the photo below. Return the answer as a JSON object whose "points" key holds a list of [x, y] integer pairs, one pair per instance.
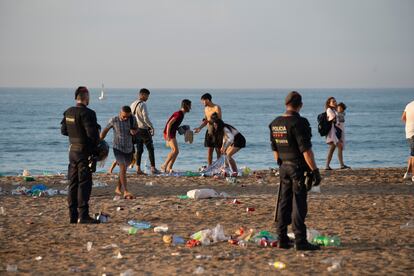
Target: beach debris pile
{"points": [[38, 190], [205, 193], [315, 237]]}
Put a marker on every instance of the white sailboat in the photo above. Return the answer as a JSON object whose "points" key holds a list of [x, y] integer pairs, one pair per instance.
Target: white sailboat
{"points": [[102, 96]]}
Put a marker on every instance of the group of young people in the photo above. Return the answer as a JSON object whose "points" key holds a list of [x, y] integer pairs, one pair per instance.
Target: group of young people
{"points": [[133, 126]]}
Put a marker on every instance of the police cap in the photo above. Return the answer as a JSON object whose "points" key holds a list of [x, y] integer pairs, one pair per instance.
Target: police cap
{"points": [[294, 99]]}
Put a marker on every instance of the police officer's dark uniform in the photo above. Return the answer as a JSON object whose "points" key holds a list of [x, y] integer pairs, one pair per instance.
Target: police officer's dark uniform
{"points": [[80, 124], [290, 136]]}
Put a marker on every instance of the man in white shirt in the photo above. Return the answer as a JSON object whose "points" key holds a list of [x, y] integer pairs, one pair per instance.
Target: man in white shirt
{"points": [[145, 131], [408, 118]]}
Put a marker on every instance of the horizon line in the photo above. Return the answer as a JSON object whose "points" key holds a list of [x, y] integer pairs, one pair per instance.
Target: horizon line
{"points": [[211, 88]]}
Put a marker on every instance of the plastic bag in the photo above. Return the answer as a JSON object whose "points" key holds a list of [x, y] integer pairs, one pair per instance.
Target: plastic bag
{"points": [[202, 193], [218, 167], [218, 234]]}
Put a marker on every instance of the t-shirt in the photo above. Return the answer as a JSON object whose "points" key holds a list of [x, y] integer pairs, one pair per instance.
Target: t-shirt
{"points": [[122, 136], [141, 114], [409, 122], [178, 116], [229, 134]]}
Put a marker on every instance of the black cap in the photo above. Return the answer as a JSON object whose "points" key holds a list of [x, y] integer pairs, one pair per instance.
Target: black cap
{"points": [[293, 99], [79, 90]]}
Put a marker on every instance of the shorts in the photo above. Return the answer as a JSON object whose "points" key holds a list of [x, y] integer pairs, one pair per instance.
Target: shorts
{"points": [[411, 143], [122, 157], [239, 141], [210, 141]]}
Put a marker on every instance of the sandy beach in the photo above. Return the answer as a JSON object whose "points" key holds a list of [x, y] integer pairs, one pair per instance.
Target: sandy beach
{"points": [[364, 207]]}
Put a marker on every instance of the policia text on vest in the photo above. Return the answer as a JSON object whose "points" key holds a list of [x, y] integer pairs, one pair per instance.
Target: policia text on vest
{"points": [[290, 137]]}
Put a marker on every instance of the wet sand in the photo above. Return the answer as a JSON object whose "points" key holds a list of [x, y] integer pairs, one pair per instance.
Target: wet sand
{"points": [[364, 207]]}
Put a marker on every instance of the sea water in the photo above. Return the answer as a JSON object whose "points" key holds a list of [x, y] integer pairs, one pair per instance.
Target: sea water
{"points": [[30, 125]]}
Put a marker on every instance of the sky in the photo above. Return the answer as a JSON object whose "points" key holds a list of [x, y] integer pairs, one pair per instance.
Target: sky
{"points": [[207, 43]]}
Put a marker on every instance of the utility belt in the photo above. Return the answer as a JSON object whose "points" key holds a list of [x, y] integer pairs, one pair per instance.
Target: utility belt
{"points": [[298, 162]]}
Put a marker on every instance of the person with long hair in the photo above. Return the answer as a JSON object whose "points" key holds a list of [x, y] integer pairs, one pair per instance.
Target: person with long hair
{"points": [[334, 137], [232, 139]]}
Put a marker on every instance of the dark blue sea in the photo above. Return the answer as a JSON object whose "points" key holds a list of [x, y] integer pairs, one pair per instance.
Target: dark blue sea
{"points": [[30, 125]]}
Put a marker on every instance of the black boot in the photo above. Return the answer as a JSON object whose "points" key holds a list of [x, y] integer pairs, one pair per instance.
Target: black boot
{"points": [[285, 243], [306, 246], [73, 215]]}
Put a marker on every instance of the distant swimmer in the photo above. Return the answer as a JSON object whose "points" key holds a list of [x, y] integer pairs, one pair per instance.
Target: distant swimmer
{"points": [[170, 132], [211, 111]]}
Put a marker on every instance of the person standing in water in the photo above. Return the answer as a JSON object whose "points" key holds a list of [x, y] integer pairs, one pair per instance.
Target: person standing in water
{"points": [[211, 111]]}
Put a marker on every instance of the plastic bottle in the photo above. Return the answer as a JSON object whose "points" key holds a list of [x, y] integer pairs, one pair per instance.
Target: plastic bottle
{"points": [[327, 240], [139, 224], [161, 229]]}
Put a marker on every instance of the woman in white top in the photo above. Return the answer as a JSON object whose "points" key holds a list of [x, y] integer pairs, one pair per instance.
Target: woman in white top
{"points": [[334, 137], [233, 141]]}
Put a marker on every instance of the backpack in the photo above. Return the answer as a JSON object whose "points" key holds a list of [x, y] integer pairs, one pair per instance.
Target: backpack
{"points": [[324, 126]]}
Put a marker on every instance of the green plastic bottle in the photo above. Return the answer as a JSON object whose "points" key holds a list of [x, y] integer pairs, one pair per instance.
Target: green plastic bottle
{"points": [[327, 240]]}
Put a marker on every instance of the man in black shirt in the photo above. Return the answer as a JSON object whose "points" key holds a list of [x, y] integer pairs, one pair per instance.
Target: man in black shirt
{"points": [[79, 123], [290, 136]]}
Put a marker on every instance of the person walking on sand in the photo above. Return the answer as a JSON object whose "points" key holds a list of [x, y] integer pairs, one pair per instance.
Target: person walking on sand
{"points": [[124, 126], [145, 131], [232, 141], [211, 111], [333, 139], [290, 137], [408, 118], [80, 124], [170, 132]]}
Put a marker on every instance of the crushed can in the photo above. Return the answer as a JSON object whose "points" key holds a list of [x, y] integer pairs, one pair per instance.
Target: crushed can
{"points": [[250, 209]]}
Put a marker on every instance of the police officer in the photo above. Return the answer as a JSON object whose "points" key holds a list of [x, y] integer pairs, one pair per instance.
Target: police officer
{"points": [[79, 123], [290, 136]]}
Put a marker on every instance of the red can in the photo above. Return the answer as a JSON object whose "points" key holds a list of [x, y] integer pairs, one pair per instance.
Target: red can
{"points": [[273, 244], [250, 209], [233, 241], [263, 242]]}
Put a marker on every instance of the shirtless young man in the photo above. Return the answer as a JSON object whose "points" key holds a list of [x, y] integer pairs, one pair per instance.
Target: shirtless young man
{"points": [[210, 110]]}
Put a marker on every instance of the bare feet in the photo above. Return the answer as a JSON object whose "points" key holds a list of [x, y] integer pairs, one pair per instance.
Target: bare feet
{"points": [[118, 190], [128, 195]]}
